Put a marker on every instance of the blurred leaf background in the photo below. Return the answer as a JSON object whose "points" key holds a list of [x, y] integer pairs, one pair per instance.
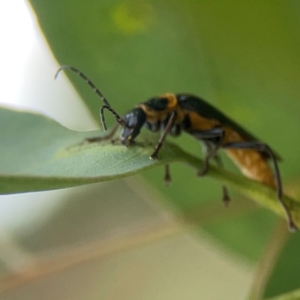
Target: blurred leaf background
{"points": [[243, 57]]}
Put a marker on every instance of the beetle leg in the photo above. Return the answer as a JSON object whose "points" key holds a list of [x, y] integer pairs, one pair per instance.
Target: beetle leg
{"points": [[210, 152], [164, 135], [167, 178], [211, 148], [266, 149], [109, 136], [226, 198], [212, 140]]}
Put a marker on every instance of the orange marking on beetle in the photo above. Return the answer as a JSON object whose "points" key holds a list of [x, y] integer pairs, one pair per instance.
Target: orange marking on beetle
{"points": [[200, 123], [251, 162], [154, 116], [172, 100]]}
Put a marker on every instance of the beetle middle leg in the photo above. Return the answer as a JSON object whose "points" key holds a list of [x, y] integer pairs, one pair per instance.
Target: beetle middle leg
{"points": [[226, 198], [212, 141], [167, 177], [210, 152]]}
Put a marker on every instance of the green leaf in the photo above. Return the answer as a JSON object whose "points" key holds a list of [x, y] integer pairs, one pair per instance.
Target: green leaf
{"points": [[39, 154]]}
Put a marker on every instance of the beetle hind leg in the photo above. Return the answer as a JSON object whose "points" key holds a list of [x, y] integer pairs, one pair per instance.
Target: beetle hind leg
{"points": [[264, 148]]}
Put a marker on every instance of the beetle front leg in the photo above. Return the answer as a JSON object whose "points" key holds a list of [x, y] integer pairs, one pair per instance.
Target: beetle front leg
{"points": [[109, 136], [163, 136]]}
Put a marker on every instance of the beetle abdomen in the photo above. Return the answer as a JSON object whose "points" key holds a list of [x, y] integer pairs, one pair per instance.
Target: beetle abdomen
{"points": [[252, 163]]}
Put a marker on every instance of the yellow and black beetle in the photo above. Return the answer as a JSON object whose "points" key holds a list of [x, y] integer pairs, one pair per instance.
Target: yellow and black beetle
{"points": [[172, 114]]}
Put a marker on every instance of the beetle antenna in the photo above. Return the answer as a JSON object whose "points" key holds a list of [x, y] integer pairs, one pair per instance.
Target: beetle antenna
{"points": [[86, 79], [111, 110], [98, 92]]}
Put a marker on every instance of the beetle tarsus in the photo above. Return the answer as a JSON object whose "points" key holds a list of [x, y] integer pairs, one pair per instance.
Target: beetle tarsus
{"points": [[203, 172], [154, 156], [93, 139], [167, 178], [292, 226], [226, 198]]}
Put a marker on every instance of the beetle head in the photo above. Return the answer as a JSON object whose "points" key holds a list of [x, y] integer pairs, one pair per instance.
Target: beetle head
{"points": [[134, 120]]}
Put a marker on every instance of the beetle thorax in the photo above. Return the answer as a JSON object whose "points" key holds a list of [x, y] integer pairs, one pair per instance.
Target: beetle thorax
{"points": [[159, 109]]}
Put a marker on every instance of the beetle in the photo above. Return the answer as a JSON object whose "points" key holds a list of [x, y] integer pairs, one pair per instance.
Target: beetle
{"points": [[176, 113]]}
